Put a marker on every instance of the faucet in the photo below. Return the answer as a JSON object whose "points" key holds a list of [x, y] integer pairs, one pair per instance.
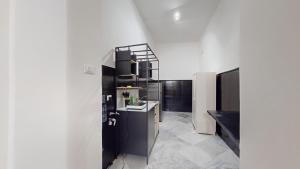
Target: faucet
{"points": [[141, 98]]}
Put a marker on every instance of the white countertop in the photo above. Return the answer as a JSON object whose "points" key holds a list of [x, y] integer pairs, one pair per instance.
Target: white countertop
{"points": [[151, 104]]}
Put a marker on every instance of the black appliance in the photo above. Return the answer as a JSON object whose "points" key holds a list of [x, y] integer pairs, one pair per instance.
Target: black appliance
{"points": [[110, 118]]}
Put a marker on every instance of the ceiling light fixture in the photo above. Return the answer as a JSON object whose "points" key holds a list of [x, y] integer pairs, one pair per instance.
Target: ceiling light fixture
{"points": [[177, 16]]}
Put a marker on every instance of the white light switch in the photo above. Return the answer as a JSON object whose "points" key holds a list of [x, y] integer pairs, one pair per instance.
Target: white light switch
{"points": [[89, 69]]}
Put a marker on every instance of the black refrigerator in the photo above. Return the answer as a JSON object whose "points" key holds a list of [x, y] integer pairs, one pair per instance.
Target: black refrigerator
{"points": [[110, 119]]}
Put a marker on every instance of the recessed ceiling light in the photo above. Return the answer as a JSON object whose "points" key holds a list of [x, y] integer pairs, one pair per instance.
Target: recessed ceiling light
{"points": [[177, 16]]}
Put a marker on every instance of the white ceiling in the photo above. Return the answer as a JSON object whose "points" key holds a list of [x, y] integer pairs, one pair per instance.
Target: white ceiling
{"points": [[158, 17]]}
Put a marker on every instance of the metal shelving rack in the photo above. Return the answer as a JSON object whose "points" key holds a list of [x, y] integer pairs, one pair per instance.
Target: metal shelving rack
{"points": [[143, 53]]}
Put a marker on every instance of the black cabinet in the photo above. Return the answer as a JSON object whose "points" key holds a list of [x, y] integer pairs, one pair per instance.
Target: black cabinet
{"points": [[133, 132], [177, 95], [143, 69], [137, 132], [125, 63], [151, 130]]}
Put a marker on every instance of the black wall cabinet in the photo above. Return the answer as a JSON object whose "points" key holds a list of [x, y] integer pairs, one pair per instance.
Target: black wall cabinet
{"points": [[177, 95]]}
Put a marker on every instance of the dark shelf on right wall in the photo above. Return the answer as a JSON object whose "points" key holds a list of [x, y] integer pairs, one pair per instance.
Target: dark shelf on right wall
{"points": [[227, 114], [228, 128]]}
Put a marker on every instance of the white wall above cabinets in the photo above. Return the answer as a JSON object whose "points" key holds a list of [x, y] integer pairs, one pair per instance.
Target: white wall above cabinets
{"points": [[178, 61]]}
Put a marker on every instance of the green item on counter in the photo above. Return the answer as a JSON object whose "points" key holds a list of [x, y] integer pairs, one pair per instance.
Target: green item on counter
{"points": [[131, 100]]}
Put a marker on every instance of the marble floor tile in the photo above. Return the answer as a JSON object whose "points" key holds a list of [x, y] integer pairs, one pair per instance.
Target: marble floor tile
{"points": [[212, 147], [195, 154], [226, 160], [193, 138], [178, 146]]}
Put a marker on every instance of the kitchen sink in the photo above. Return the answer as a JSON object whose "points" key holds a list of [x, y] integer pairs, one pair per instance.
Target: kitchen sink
{"points": [[137, 106]]}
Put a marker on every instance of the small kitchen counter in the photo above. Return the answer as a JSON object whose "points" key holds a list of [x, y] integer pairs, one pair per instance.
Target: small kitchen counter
{"points": [[139, 129], [151, 105]]}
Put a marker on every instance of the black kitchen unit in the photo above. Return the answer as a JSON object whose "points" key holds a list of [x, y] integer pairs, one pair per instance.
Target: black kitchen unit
{"points": [[177, 95], [138, 130], [138, 98], [110, 143], [130, 104]]}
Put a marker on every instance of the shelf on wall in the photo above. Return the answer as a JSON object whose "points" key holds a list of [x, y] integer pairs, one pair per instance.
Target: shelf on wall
{"points": [[129, 88], [130, 61], [127, 75]]}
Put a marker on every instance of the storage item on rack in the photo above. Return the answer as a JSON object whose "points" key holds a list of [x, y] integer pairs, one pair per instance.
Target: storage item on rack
{"points": [[125, 64], [143, 69], [204, 98]]}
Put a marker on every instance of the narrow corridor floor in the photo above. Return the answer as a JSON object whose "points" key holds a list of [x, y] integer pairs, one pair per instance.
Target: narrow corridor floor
{"points": [[179, 147]]}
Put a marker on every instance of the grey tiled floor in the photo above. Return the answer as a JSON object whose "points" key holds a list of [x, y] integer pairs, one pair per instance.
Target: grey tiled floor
{"points": [[179, 147]]}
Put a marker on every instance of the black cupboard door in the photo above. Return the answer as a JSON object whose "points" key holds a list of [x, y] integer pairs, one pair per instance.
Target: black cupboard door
{"points": [[133, 132], [177, 95], [109, 132], [171, 95]]}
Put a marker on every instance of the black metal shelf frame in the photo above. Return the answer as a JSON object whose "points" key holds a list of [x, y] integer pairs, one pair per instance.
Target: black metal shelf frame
{"points": [[143, 52]]}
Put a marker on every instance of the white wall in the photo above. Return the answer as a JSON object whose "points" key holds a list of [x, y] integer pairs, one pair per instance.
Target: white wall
{"points": [[4, 82], [270, 89], [96, 27], [39, 52], [55, 110], [178, 61], [220, 42]]}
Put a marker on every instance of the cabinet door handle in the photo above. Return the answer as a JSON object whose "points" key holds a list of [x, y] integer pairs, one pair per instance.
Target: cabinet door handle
{"points": [[108, 97]]}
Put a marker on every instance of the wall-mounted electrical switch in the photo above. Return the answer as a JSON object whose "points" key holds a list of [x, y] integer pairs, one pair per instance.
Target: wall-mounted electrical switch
{"points": [[89, 69]]}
